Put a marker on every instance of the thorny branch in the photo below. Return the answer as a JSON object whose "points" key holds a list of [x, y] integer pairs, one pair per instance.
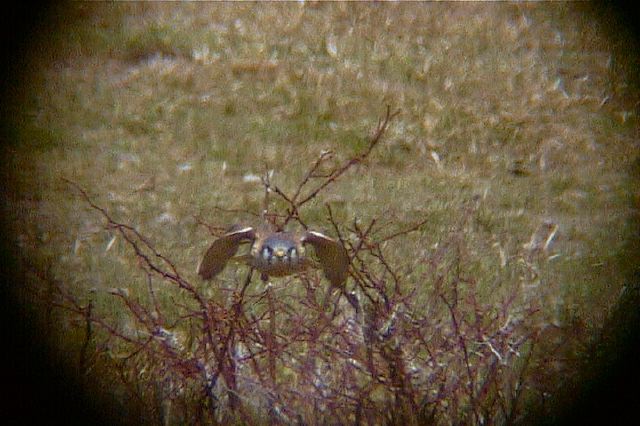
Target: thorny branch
{"points": [[298, 200]]}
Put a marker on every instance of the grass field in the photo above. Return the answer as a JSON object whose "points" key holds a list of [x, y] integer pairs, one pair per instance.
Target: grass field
{"points": [[167, 115]]}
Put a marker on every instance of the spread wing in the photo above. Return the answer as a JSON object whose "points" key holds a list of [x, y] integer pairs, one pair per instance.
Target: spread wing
{"points": [[333, 257], [223, 249]]}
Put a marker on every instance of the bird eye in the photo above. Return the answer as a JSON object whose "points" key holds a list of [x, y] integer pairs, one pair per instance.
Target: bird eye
{"points": [[293, 254], [266, 252]]}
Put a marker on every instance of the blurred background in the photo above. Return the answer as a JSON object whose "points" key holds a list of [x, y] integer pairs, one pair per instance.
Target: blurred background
{"points": [[168, 115]]}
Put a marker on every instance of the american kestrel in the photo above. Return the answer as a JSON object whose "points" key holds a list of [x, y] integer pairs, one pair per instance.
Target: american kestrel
{"points": [[277, 253]]}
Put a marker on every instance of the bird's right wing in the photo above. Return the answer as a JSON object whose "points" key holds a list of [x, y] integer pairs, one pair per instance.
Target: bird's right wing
{"points": [[223, 249]]}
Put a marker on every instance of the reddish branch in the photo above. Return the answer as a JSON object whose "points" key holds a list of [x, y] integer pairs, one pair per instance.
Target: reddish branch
{"points": [[299, 199]]}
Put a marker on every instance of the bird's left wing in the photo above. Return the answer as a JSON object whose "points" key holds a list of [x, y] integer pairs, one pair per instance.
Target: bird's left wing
{"points": [[333, 257]]}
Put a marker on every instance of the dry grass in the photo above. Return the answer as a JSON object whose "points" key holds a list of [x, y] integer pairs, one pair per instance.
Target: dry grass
{"points": [[166, 113]]}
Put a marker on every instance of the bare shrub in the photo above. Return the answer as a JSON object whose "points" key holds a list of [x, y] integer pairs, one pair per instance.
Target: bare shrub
{"points": [[401, 343]]}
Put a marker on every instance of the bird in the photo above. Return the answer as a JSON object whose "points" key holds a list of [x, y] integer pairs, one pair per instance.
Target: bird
{"points": [[277, 253]]}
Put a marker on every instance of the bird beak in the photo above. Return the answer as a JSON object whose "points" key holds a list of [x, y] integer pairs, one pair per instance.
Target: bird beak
{"points": [[279, 253]]}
